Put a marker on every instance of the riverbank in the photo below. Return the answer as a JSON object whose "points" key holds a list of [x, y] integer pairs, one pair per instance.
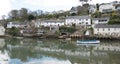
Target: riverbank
{"points": [[61, 37]]}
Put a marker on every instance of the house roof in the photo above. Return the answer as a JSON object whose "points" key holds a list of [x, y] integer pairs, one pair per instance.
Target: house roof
{"points": [[78, 17], [106, 26], [107, 18], [24, 23], [15, 23], [54, 21]]}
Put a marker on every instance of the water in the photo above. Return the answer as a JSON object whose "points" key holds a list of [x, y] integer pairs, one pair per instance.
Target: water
{"points": [[54, 51]]}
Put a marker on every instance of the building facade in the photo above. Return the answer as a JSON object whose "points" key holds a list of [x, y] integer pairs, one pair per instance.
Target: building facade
{"points": [[48, 23], [78, 20], [108, 7], [13, 24], [107, 30], [100, 20]]}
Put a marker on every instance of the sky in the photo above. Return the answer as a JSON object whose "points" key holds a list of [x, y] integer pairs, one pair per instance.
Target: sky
{"points": [[45, 5]]}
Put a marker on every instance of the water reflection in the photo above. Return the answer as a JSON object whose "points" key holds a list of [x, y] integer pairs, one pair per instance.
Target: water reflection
{"points": [[4, 57], [47, 60], [47, 51]]}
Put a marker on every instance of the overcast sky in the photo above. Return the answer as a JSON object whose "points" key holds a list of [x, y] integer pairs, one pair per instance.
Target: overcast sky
{"points": [[45, 5]]}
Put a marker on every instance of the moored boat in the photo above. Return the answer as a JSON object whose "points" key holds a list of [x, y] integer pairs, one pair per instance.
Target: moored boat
{"points": [[88, 41]]}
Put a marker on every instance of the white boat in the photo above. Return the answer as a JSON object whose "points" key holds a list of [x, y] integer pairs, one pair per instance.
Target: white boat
{"points": [[88, 41]]}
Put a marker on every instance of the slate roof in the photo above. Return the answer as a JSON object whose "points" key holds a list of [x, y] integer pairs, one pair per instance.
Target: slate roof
{"points": [[24, 23], [78, 17], [106, 26], [61, 21], [15, 23], [107, 18]]}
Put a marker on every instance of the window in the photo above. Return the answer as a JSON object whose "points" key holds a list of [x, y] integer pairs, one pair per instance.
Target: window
{"points": [[86, 23], [103, 29], [98, 29], [80, 23], [108, 29]]}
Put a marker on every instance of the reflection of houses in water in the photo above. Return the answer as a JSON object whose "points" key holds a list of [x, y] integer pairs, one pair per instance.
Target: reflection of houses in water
{"points": [[2, 43], [49, 60], [79, 55], [4, 57], [83, 53], [107, 48]]}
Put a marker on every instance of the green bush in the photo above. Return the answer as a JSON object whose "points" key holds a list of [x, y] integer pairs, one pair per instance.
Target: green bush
{"points": [[13, 31], [67, 29]]}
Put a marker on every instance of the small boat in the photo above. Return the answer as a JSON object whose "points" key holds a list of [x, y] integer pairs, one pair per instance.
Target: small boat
{"points": [[88, 41]]}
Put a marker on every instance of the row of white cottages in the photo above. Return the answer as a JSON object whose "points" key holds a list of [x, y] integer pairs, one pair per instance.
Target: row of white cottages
{"points": [[99, 24], [77, 20]]}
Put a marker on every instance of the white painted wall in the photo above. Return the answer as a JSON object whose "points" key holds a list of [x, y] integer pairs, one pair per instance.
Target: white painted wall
{"points": [[106, 6], [99, 22], [104, 31], [78, 21], [38, 24], [10, 25]]}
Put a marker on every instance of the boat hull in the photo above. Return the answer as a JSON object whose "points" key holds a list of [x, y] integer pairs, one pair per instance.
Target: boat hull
{"points": [[88, 41]]}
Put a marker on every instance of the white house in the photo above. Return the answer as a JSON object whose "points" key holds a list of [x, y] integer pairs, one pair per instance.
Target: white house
{"points": [[107, 30], [107, 7], [2, 31], [100, 20], [49, 23], [115, 2], [92, 8], [78, 20], [13, 24]]}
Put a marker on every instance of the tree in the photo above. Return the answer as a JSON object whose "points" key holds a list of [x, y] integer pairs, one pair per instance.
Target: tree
{"points": [[73, 14], [114, 19], [31, 17], [13, 14], [23, 13], [13, 31], [97, 5], [97, 14], [4, 22], [67, 29]]}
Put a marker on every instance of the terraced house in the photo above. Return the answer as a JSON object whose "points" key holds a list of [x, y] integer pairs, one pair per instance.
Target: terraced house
{"points": [[100, 20], [107, 30], [48, 23], [78, 20]]}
